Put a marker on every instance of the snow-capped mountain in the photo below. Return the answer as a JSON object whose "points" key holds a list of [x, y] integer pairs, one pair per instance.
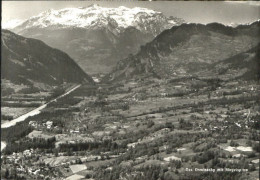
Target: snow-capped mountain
{"points": [[95, 16], [97, 37]]}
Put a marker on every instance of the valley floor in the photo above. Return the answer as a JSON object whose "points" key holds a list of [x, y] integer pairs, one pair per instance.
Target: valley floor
{"points": [[140, 129]]}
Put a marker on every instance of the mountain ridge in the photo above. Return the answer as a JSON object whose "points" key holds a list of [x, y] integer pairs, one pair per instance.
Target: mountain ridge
{"points": [[29, 61], [95, 16], [180, 48], [97, 46]]}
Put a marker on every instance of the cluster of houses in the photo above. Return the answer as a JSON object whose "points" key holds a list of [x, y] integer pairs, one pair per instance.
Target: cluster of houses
{"points": [[48, 124]]}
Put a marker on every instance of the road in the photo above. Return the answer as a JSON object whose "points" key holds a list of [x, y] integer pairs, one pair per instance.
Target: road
{"points": [[33, 113]]}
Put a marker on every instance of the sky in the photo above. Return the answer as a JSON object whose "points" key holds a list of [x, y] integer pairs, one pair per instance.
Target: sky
{"points": [[191, 11]]}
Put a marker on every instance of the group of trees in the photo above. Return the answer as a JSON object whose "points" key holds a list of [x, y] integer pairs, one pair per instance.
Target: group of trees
{"points": [[201, 146], [134, 137], [205, 156], [18, 131], [29, 90], [113, 106], [212, 176], [7, 91], [55, 93], [152, 172], [255, 122], [150, 124], [152, 148], [103, 146], [177, 94], [231, 93], [11, 173], [138, 151], [20, 104], [27, 143], [6, 117], [65, 102], [233, 143], [186, 125]]}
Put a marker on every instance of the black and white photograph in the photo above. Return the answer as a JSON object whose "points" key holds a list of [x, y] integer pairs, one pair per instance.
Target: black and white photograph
{"points": [[130, 90]]}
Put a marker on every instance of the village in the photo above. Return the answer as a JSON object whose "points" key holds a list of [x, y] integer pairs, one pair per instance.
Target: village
{"points": [[137, 125]]}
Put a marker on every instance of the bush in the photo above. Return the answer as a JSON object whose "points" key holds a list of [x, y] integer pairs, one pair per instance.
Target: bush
{"points": [[29, 90], [251, 155], [256, 147], [150, 124], [7, 91], [233, 143], [169, 125]]}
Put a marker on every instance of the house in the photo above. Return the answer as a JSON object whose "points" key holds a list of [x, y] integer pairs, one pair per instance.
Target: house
{"points": [[49, 124]]}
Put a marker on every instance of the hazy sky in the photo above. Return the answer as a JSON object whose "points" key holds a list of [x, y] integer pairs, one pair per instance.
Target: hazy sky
{"points": [[191, 11]]}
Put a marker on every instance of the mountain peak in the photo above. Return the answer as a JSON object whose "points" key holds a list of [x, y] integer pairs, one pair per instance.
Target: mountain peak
{"points": [[95, 16], [97, 37]]}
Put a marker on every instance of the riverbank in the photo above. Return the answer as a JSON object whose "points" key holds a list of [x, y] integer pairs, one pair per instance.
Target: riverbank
{"points": [[35, 111], [32, 113]]}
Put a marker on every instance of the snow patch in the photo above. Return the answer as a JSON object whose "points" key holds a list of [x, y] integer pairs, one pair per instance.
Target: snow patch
{"points": [[95, 16]]}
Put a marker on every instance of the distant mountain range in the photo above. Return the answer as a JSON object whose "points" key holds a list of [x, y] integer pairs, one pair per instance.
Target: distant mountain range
{"points": [[32, 63], [145, 41], [97, 37], [190, 49]]}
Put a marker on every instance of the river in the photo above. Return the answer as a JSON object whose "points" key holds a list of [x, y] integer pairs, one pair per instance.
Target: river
{"points": [[3, 145], [32, 113]]}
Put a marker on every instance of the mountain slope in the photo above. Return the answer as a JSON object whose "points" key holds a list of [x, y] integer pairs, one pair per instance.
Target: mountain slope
{"points": [[187, 49], [29, 61], [245, 65], [97, 37]]}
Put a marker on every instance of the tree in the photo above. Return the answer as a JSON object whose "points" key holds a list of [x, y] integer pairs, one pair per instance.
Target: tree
{"points": [[56, 152], [7, 173], [233, 143], [169, 125], [7, 91], [252, 167], [209, 95], [150, 124]]}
